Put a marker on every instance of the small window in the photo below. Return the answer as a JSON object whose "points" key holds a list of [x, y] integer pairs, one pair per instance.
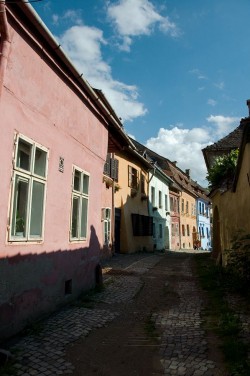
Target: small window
{"points": [[171, 204], [79, 206], [173, 229], [177, 229], [132, 178], [153, 196], [166, 202], [160, 199], [182, 205], [106, 218], [183, 230], [142, 225], [68, 287], [187, 207], [188, 231], [28, 193]]}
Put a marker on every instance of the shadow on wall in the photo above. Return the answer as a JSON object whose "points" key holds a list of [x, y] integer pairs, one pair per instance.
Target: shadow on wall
{"points": [[34, 285]]}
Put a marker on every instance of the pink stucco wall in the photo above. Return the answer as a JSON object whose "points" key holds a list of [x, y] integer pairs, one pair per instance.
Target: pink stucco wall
{"points": [[39, 103]]}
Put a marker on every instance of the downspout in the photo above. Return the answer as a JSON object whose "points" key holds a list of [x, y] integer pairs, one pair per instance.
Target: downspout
{"points": [[5, 42]]}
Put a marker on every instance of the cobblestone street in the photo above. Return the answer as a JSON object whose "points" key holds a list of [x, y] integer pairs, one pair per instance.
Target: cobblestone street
{"points": [[61, 346]]}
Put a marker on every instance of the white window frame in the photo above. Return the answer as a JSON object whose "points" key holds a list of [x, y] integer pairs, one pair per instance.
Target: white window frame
{"points": [[106, 219], [80, 195], [30, 177]]}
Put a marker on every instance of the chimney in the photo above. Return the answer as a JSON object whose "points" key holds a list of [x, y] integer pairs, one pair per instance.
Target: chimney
{"points": [[188, 172], [248, 105], [174, 163]]}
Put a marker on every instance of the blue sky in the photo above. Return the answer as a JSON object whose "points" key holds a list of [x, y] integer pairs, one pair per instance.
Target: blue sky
{"points": [[176, 71]]}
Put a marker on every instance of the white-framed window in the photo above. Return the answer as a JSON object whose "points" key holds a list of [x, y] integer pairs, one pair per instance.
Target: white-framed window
{"points": [[28, 190], [106, 219], [79, 204], [182, 205]]}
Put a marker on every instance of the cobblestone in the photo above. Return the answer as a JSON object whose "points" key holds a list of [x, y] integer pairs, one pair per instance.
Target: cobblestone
{"points": [[183, 345], [44, 354]]}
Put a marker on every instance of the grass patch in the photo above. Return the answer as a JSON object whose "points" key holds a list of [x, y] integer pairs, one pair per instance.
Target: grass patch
{"points": [[219, 317]]}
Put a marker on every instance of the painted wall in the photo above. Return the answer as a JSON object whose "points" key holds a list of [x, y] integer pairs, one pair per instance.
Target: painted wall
{"points": [[162, 221], [203, 224], [231, 210], [130, 204], [107, 202], [37, 102], [175, 220], [187, 219]]}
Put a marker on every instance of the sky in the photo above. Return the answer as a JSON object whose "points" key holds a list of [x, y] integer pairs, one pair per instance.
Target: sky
{"points": [[175, 71]]}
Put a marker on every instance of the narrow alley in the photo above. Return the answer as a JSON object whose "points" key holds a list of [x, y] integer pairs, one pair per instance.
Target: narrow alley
{"points": [[146, 321]]}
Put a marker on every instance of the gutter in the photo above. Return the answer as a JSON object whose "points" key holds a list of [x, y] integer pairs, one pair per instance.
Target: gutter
{"points": [[5, 45]]}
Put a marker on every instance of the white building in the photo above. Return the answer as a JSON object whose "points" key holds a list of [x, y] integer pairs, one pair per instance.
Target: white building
{"points": [[159, 208]]}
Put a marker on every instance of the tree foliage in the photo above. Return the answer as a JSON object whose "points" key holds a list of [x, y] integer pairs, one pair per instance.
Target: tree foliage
{"points": [[223, 169]]}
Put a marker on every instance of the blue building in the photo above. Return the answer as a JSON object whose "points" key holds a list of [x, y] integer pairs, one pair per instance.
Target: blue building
{"points": [[203, 219]]}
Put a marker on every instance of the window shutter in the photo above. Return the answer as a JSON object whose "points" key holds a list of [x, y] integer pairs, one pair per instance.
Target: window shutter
{"points": [[106, 169], [114, 168], [129, 176]]}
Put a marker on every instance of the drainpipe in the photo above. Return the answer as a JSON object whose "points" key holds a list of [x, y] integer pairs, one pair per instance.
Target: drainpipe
{"points": [[5, 43]]}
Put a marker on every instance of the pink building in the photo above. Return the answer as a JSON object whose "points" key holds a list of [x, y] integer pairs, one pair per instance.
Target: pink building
{"points": [[55, 132]]}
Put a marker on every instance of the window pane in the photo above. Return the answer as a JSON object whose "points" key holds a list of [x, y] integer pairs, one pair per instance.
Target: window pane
{"points": [[85, 188], [24, 155], [36, 219], [75, 217], [20, 207], [77, 180], [84, 218], [40, 162]]}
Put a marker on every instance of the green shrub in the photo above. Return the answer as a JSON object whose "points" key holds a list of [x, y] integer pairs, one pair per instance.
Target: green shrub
{"points": [[223, 169]]}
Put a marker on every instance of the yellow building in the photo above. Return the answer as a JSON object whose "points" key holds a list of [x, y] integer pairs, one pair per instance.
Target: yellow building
{"points": [[231, 201], [133, 225]]}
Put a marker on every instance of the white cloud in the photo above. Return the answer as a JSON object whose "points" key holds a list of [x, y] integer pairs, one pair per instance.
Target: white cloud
{"points": [[222, 125], [185, 145], [138, 17], [211, 102], [196, 72], [70, 15], [83, 45], [220, 85]]}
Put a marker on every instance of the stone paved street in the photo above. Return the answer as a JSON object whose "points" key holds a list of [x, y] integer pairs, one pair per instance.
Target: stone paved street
{"points": [[182, 345], [183, 342]]}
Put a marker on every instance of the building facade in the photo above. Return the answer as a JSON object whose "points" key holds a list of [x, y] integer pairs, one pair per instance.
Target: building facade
{"points": [[55, 137]]}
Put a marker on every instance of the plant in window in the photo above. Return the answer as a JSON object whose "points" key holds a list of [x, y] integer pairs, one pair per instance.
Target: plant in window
{"points": [[19, 223]]}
